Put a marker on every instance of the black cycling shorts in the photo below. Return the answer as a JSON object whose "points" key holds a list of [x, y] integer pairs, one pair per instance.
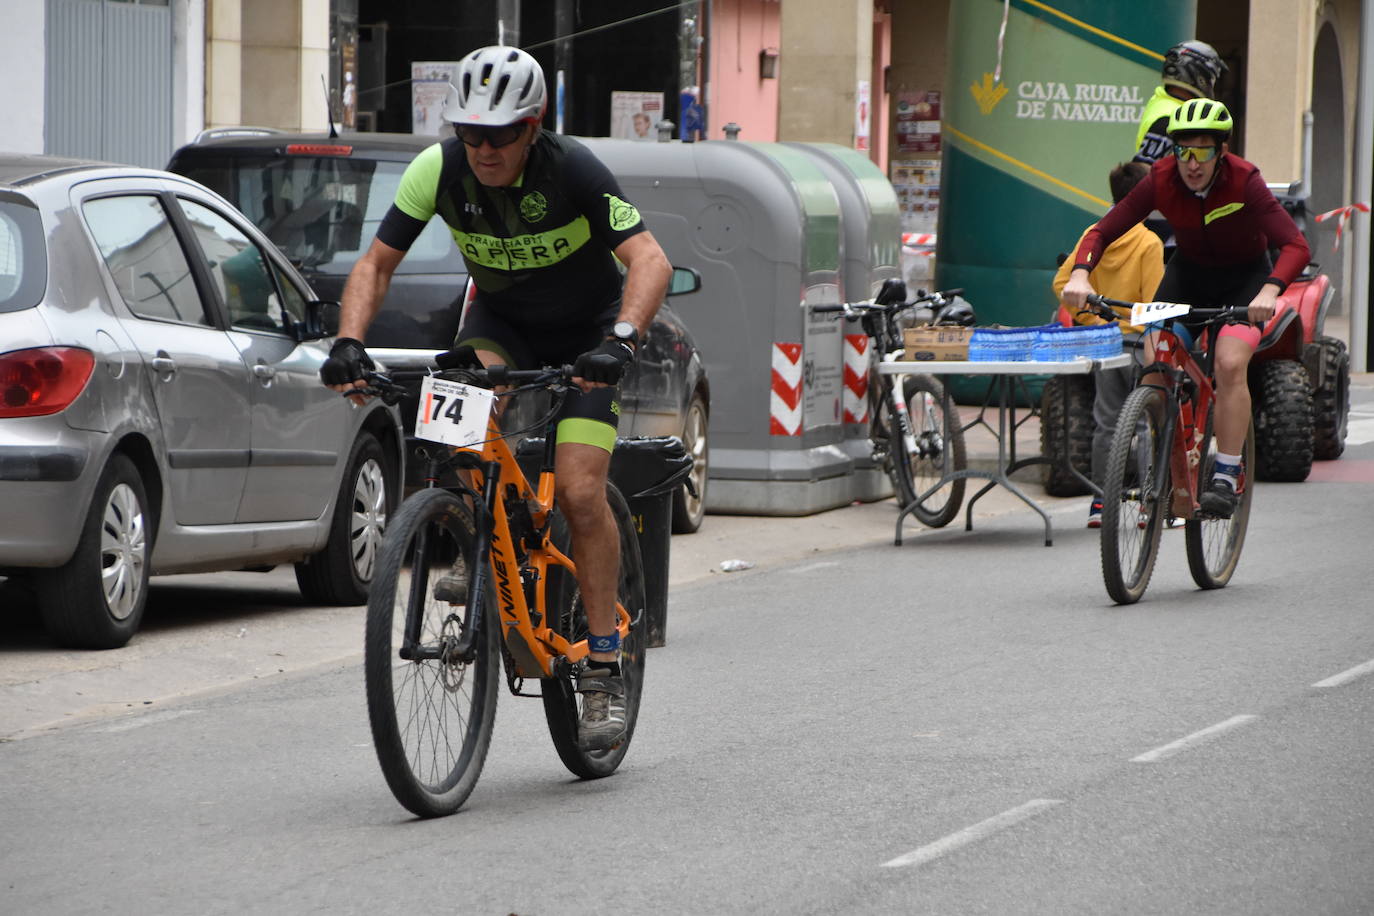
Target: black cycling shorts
{"points": [[1212, 287], [592, 417]]}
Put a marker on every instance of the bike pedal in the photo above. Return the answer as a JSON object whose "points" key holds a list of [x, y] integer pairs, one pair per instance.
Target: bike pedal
{"points": [[451, 589]]}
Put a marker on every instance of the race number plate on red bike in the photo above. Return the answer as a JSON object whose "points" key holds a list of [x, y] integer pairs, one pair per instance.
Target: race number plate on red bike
{"points": [[453, 413], [1143, 313]]}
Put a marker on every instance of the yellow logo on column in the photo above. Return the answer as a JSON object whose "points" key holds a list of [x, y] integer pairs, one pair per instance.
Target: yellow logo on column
{"points": [[986, 94]]}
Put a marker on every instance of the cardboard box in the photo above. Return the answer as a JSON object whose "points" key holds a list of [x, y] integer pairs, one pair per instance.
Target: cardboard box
{"points": [[928, 344]]}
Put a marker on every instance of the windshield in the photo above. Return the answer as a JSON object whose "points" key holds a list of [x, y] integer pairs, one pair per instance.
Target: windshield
{"points": [[23, 256], [322, 211]]}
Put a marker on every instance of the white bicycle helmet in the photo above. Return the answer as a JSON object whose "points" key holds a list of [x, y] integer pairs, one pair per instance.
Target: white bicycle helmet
{"points": [[495, 86]]}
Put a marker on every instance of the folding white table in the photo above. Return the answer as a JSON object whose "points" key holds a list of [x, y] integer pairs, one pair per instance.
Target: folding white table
{"points": [[1005, 378]]}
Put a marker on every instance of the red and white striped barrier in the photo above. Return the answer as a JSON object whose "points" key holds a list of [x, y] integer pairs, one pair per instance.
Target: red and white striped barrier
{"points": [[1344, 213], [785, 400], [854, 398]]}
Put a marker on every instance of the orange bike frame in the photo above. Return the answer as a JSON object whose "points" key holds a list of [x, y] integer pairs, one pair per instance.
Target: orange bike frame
{"points": [[544, 644]]}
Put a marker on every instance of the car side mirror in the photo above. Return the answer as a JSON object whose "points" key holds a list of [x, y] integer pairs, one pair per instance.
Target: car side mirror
{"points": [[684, 280], [321, 320]]}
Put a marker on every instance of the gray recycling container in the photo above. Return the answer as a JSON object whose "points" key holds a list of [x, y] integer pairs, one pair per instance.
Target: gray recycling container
{"points": [[762, 224], [870, 252]]}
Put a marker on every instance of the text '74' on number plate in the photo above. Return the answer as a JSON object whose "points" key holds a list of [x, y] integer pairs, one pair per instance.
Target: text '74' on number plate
{"points": [[453, 413]]}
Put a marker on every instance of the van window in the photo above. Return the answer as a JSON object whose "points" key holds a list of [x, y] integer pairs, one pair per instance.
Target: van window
{"points": [[322, 211]]}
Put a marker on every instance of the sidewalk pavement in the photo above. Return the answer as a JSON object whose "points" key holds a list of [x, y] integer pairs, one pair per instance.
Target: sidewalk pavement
{"points": [[770, 541]]}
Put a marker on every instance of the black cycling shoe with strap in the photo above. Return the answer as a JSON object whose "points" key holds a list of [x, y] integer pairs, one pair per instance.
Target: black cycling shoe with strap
{"points": [[1220, 499]]}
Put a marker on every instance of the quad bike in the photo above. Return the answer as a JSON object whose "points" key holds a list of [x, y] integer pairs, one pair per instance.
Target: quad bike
{"points": [[1299, 388]]}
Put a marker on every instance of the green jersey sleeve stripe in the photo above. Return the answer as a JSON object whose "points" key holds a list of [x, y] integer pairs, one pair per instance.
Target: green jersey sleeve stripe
{"points": [[420, 183]]}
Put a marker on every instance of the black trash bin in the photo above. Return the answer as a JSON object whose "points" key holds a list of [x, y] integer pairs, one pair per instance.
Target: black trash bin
{"points": [[646, 470]]}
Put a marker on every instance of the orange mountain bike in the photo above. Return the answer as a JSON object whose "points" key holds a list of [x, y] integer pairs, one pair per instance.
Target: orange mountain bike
{"points": [[1161, 456], [474, 571]]}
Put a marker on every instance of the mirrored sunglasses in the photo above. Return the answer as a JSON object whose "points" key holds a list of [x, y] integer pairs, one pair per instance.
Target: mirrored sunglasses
{"points": [[1195, 153], [475, 135]]}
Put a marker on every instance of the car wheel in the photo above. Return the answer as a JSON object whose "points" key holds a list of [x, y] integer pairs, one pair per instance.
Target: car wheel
{"points": [[96, 599], [341, 573], [689, 510]]}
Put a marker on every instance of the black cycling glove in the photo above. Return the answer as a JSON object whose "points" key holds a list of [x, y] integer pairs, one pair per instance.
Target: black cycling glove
{"points": [[605, 364], [347, 362]]}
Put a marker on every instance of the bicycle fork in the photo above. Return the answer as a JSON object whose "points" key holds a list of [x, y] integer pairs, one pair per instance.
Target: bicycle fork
{"points": [[898, 407]]}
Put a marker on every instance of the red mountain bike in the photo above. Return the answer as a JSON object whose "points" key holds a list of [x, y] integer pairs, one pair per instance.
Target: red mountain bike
{"points": [[1161, 457]]}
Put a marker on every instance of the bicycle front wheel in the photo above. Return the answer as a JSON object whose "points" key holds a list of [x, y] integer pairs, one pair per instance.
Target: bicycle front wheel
{"points": [[936, 448], [1133, 496], [569, 619], [431, 711], [1214, 543]]}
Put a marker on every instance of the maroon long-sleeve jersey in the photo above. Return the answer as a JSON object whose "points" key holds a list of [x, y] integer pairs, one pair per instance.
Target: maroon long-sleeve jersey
{"points": [[1235, 222]]}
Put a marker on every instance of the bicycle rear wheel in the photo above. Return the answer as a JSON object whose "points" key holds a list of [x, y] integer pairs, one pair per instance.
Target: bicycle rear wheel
{"points": [[1214, 543], [568, 618], [1133, 496], [936, 448], [431, 712]]}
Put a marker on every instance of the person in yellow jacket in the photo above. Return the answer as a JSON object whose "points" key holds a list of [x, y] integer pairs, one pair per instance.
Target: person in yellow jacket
{"points": [[1191, 71], [1130, 270]]}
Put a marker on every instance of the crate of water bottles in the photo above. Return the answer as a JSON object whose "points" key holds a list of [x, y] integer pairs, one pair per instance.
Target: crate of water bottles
{"points": [[1056, 344], [1001, 345]]}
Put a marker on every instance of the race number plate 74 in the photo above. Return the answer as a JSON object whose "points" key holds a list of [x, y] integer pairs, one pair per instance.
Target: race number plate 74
{"points": [[453, 413]]}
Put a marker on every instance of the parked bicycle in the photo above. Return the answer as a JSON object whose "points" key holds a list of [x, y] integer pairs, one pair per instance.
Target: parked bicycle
{"points": [[917, 437], [474, 571], [1161, 456]]}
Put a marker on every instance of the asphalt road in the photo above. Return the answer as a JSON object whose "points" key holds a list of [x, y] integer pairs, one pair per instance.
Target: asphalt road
{"points": [[964, 724]]}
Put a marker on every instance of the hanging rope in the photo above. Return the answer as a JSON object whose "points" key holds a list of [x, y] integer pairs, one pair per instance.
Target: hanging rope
{"points": [[1001, 40]]}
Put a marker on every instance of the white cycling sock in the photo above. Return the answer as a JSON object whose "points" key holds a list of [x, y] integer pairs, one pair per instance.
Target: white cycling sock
{"points": [[1227, 468]]}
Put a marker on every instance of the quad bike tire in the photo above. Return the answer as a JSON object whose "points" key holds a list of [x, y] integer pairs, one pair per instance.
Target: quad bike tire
{"points": [[1282, 405], [1066, 434], [1331, 400]]}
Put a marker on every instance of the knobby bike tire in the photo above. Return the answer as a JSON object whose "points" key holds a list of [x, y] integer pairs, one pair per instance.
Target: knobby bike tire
{"points": [[568, 618], [419, 710], [1214, 544], [939, 438], [1134, 496]]}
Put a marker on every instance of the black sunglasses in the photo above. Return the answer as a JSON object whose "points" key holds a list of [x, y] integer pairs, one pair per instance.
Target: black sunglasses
{"points": [[475, 135]]}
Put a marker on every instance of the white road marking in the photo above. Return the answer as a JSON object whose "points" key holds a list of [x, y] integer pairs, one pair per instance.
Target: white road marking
{"points": [[150, 719], [1347, 676], [1206, 734], [979, 831], [810, 567], [1359, 432]]}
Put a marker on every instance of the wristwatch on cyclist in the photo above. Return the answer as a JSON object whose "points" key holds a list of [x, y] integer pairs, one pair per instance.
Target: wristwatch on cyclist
{"points": [[625, 332]]}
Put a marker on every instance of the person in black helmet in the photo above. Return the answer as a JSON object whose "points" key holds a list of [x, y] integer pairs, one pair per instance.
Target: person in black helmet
{"points": [[1191, 70]]}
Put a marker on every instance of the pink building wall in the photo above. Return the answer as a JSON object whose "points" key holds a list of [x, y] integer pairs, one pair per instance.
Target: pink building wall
{"points": [[740, 30]]}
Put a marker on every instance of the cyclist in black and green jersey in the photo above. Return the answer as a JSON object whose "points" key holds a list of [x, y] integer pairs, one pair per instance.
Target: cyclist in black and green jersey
{"points": [[541, 224]]}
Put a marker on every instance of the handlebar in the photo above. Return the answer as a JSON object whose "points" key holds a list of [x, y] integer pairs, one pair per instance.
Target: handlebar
{"points": [[391, 387], [854, 309], [1102, 306]]}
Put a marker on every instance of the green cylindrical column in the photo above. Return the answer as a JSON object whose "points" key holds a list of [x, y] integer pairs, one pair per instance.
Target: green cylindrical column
{"points": [[1027, 151]]}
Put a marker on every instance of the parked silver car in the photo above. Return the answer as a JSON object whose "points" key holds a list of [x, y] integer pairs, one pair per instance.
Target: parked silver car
{"points": [[160, 403]]}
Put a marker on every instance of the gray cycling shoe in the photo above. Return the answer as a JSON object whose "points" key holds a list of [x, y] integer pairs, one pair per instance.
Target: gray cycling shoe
{"points": [[602, 724]]}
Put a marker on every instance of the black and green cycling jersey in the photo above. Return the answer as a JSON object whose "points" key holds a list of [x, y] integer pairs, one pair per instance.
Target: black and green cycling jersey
{"points": [[540, 250]]}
